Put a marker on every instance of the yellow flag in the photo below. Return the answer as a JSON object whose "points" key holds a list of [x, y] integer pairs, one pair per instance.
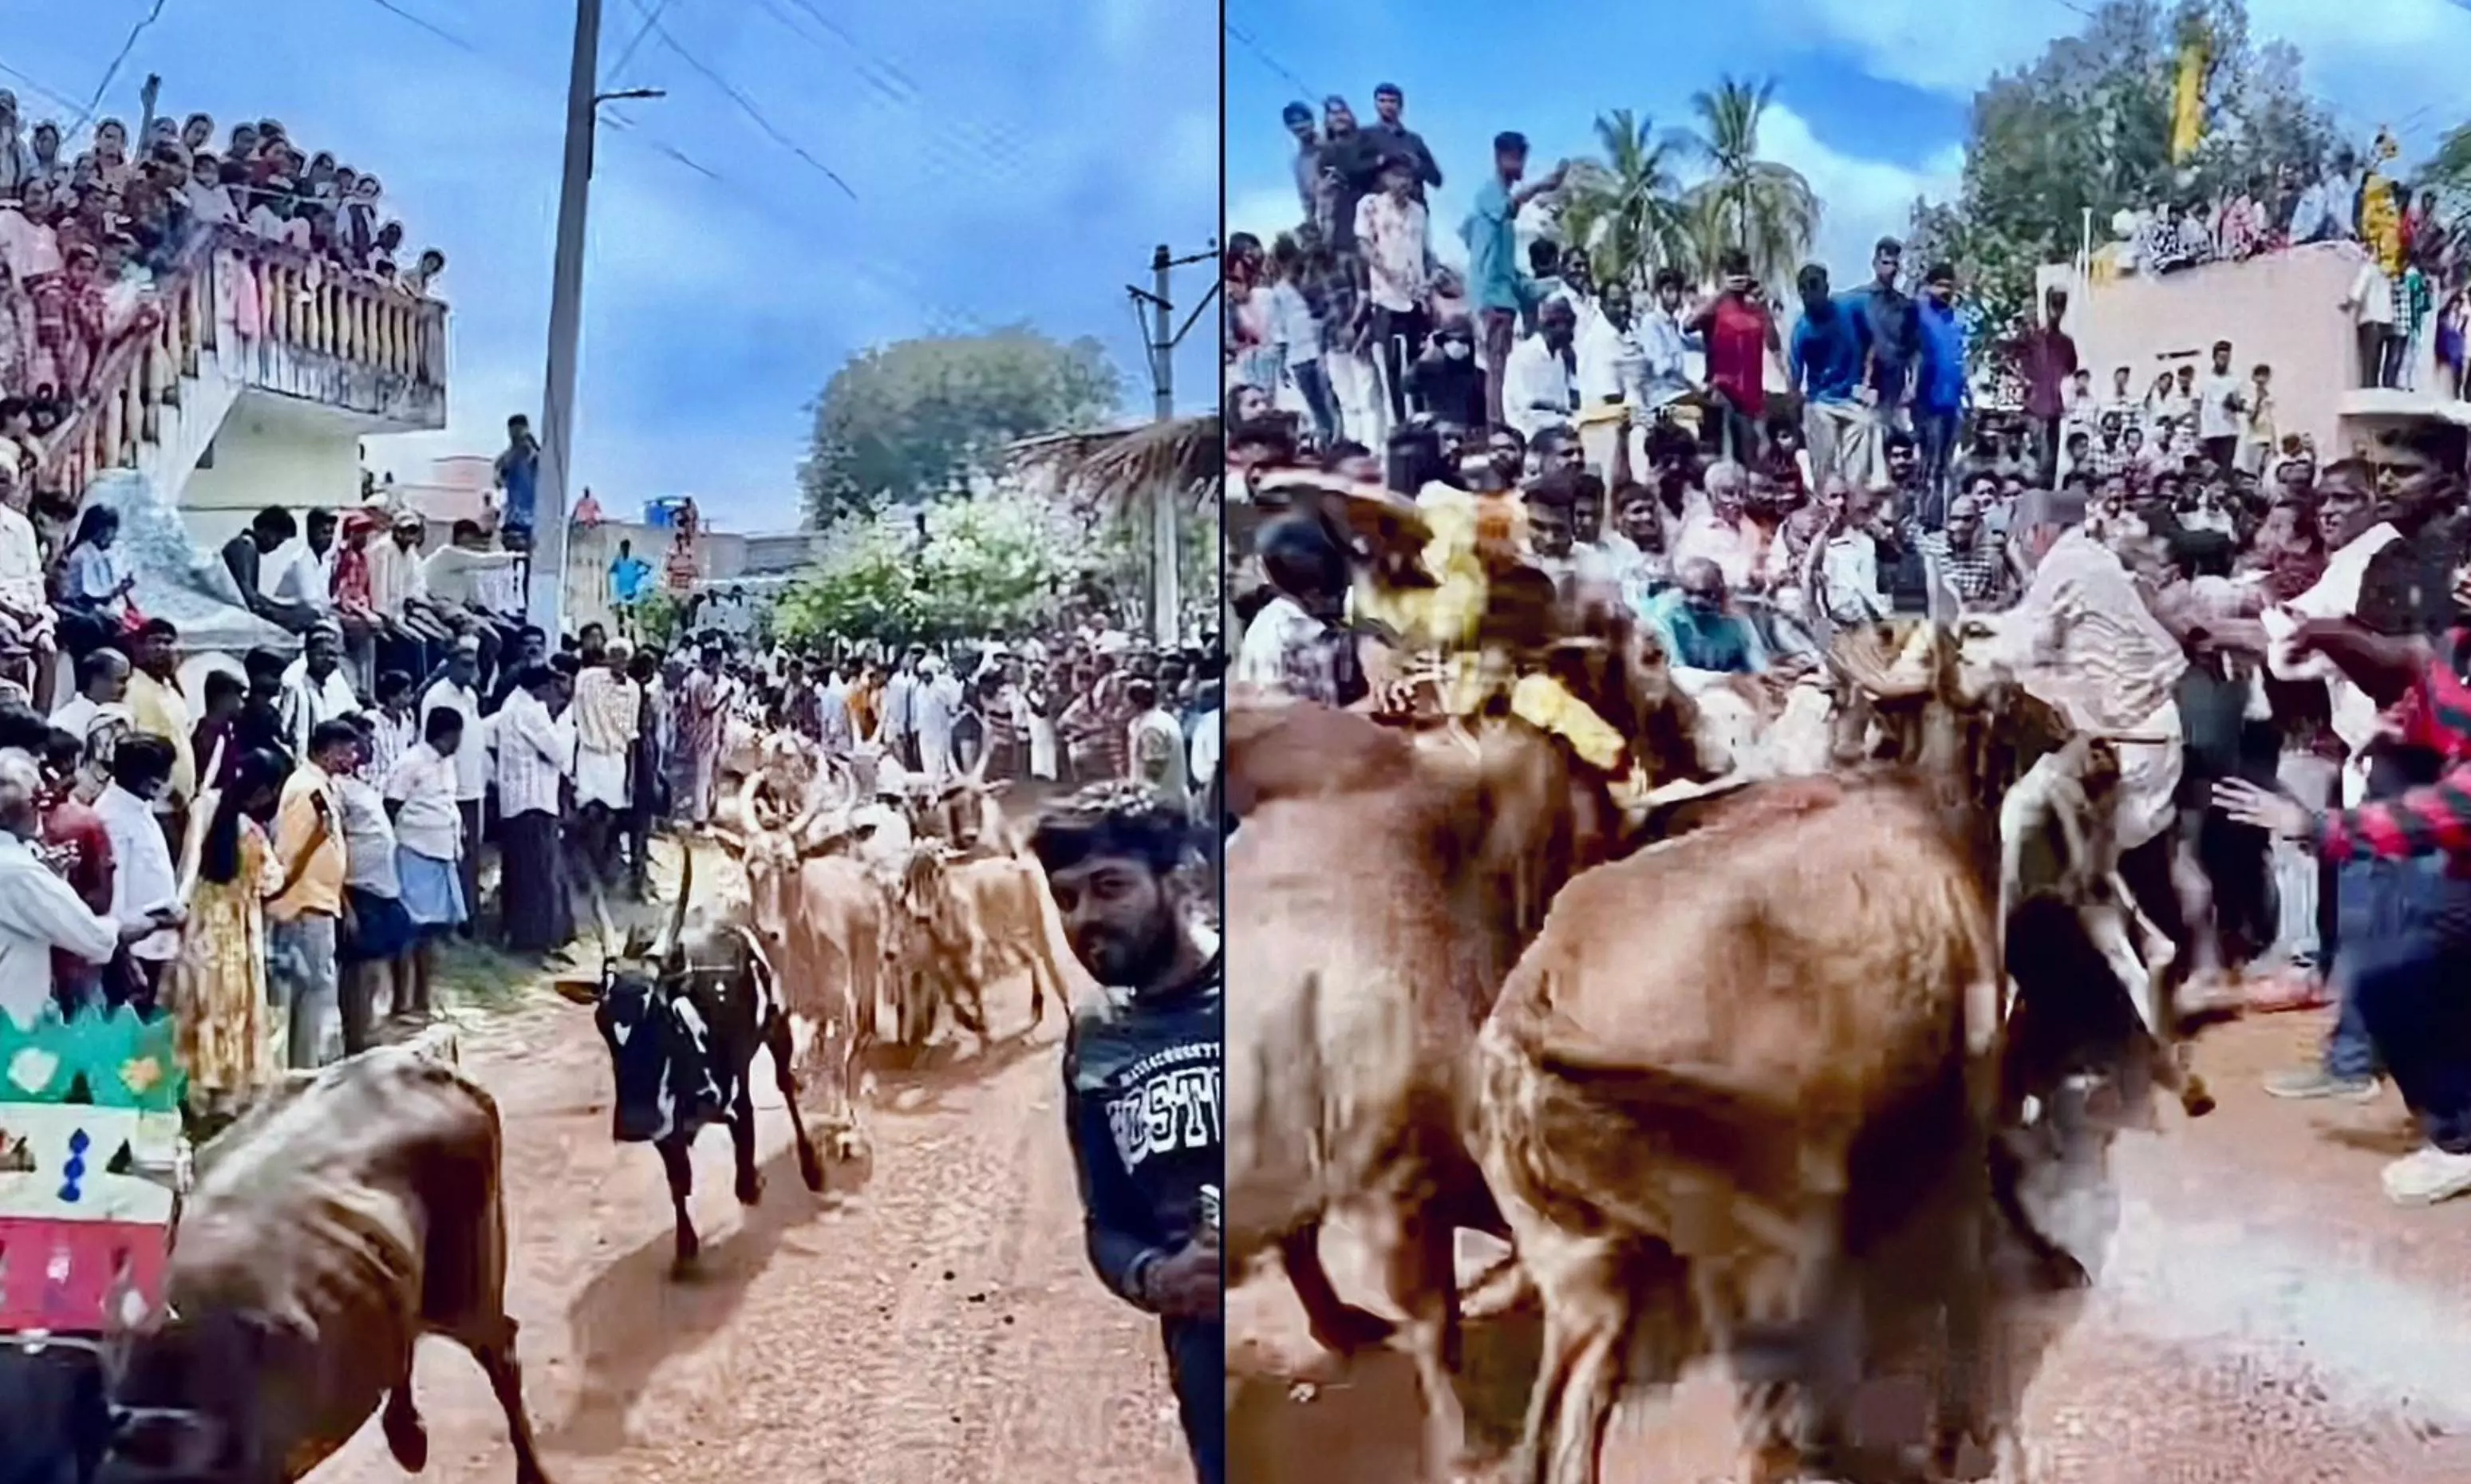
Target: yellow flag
{"points": [[2188, 98]]}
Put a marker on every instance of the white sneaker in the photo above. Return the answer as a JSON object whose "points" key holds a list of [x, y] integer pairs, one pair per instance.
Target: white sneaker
{"points": [[2427, 1177]]}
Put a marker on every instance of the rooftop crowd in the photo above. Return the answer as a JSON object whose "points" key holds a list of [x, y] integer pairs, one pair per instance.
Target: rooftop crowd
{"points": [[84, 233], [2199, 575]]}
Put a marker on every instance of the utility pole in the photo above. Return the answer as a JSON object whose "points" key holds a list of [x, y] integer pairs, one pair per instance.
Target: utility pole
{"points": [[1166, 506], [545, 599]]}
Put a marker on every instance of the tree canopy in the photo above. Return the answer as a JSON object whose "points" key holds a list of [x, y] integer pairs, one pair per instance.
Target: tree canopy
{"points": [[916, 419], [1632, 212], [961, 567], [2086, 127]]}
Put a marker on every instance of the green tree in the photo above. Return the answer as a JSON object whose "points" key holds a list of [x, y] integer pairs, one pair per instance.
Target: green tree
{"points": [[917, 419], [2086, 128], [1764, 208], [961, 567], [1625, 209]]}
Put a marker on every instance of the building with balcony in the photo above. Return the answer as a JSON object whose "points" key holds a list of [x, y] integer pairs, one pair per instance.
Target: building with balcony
{"points": [[264, 371]]}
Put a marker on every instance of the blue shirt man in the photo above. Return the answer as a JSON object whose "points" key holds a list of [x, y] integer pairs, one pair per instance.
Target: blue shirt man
{"points": [[1491, 231], [1824, 361], [1942, 388], [1884, 318], [629, 575], [519, 473]]}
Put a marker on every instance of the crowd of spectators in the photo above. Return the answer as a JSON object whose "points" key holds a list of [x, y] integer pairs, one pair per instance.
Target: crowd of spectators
{"points": [[83, 234]]}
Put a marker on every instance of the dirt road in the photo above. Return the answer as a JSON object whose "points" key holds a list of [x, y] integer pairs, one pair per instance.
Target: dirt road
{"points": [[933, 1321], [2265, 1315]]}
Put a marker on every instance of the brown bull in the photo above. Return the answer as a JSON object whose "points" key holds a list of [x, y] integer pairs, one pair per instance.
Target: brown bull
{"points": [[1374, 904], [338, 1221]]}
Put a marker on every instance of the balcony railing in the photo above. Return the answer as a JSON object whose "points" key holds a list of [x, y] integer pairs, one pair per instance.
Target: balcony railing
{"points": [[301, 304]]}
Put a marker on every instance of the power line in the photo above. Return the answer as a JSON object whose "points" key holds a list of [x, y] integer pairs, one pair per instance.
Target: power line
{"points": [[1246, 42], [36, 84], [626, 53], [425, 24], [113, 71], [744, 104]]}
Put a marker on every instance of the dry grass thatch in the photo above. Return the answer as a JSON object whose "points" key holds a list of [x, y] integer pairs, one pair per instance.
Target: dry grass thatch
{"points": [[1121, 468]]}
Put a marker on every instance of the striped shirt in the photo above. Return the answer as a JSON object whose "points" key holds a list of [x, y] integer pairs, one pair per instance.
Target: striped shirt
{"points": [[2116, 666], [2435, 818]]}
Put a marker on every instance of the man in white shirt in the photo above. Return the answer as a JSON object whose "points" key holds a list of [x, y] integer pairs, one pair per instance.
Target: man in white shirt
{"points": [[2371, 301], [303, 571], [143, 883], [1539, 382], [100, 703], [315, 687], [2222, 410], [1715, 527], [39, 910], [455, 692], [1611, 364], [1394, 235], [533, 758], [607, 714], [25, 616]]}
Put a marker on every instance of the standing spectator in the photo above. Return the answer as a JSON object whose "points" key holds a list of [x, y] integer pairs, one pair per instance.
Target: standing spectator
{"points": [[27, 622], [608, 715], [1113, 865], [78, 846], [2222, 407], [2370, 302], [455, 691], [518, 470], [698, 706], [938, 700], [1391, 226], [2046, 358], [1447, 381], [395, 728], [1941, 400], [1740, 333], [422, 794], [532, 764], [2256, 429], [630, 583], [1298, 120], [143, 885], [100, 702], [1492, 256], [901, 710], [1397, 140], [377, 929], [1824, 368], [39, 912], [644, 797], [1351, 169], [1892, 347], [309, 847], [1295, 329], [1157, 747], [315, 687], [157, 708]]}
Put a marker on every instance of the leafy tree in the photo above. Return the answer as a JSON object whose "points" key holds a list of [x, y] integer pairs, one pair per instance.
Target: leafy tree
{"points": [[2086, 127], [917, 419], [1625, 210], [965, 566], [1766, 209]]}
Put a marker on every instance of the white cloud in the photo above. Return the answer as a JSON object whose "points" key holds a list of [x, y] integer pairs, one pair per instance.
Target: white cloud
{"points": [[1860, 199], [1928, 44]]}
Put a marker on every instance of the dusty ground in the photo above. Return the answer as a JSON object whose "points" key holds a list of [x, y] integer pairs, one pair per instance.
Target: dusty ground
{"points": [[2265, 1317], [932, 1320]]}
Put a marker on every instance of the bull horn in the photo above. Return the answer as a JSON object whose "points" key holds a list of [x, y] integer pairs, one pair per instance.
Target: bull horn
{"points": [[749, 798], [676, 932]]}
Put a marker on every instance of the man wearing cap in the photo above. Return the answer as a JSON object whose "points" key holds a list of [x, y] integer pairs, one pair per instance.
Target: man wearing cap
{"points": [[1396, 139], [1298, 120], [314, 688]]}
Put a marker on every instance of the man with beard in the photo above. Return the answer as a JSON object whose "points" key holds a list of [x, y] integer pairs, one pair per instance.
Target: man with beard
{"points": [[1540, 389], [1825, 368], [1142, 1084], [1492, 235], [1396, 138]]}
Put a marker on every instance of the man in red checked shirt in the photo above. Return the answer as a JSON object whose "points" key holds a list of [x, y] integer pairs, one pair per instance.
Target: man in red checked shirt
{"points": [[2414, 990]]}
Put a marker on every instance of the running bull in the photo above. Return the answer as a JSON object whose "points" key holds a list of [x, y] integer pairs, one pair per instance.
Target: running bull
{"points": [[683, 1018]]}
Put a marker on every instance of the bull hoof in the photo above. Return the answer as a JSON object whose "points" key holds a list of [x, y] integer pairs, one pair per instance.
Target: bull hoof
{"points": [[1352, 1329], [407, 1436], [2194, 1100], [751, 1190]]}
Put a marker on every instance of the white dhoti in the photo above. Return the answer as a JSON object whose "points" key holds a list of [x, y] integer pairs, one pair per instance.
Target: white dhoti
{"points": [[2148, 778], [601, 778]]}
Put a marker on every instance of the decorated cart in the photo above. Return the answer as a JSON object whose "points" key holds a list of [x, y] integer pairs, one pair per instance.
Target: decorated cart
{"points": [[92, 1165]]}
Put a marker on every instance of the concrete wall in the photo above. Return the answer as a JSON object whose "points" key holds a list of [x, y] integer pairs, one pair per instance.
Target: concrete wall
{"points": [[2282, 309], [262, 459]]}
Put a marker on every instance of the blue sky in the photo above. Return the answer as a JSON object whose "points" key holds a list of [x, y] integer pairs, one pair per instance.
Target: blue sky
{"points": [[1011, 161], [1871, 95]]}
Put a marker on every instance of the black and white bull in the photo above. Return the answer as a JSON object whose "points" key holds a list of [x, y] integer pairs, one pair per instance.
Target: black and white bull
{"points": [[683, 1018]]}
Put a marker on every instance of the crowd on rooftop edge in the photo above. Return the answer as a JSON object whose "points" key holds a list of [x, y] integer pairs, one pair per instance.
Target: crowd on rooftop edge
{"points": [[2198, 574], [429, 765], [83, 232]]}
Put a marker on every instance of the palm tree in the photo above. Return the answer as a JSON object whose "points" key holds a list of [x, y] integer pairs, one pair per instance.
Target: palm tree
{"points": [[1625, 210], [1766, 209]]}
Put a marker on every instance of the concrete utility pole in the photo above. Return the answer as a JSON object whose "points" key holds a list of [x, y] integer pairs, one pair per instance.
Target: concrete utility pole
{"points": [[1167, 508], [545, 599]]}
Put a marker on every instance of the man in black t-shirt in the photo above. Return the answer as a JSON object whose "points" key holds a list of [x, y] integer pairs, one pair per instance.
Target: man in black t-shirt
{"points": [[1142, 1083]]}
